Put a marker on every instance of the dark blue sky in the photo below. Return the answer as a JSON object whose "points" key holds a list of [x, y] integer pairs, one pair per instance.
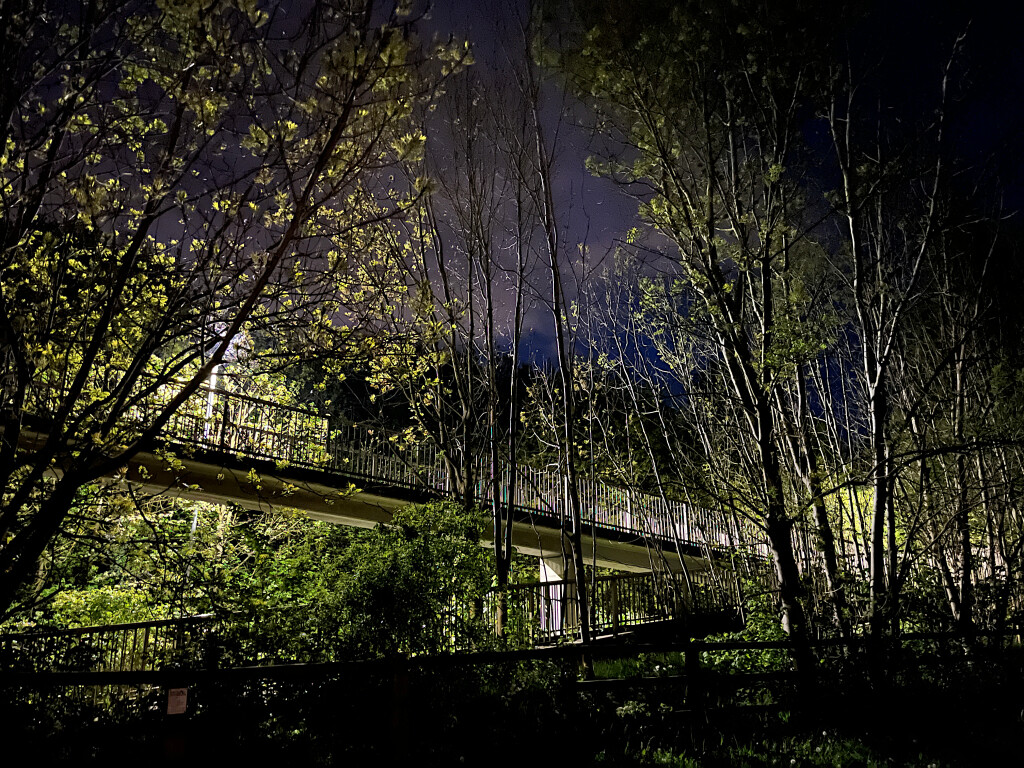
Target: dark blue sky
{"points": [[910, 40]]}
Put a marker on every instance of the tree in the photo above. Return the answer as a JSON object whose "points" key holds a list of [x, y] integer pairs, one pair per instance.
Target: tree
{"points": [[706, 104], [451, 295], [174, 175], [817, 312]]}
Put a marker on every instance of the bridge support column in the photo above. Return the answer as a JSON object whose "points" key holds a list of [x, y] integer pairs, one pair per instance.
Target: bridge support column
{"points": [[559, 608]]}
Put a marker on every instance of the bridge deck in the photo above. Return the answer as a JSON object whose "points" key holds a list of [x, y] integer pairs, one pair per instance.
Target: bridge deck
{"points": [[235, 448]]}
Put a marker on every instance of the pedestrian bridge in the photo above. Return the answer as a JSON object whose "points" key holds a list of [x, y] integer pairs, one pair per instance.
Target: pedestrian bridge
{"points": [[226, 447]]}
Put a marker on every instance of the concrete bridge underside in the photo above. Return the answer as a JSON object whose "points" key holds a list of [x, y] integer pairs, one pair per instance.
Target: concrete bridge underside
{"points": [[337, 499]]}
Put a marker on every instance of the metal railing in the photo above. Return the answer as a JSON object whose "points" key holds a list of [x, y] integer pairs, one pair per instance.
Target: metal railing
{"points": [[240, 425], [541, 613], [135, 647], [538, 613]]}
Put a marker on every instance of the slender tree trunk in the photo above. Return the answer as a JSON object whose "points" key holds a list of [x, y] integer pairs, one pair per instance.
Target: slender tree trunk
{"points": [[567, 414], [18, 563], [965, 621], [878, 406]]}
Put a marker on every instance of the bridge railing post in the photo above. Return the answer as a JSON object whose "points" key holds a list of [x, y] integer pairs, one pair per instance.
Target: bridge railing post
{"points": [[614, 590], [224, 416]]}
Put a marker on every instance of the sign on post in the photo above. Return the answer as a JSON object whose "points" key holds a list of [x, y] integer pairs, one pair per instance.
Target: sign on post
{"points": [[177, 701]]}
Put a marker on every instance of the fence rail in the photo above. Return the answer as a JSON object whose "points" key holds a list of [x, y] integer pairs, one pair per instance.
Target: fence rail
{"points": [[135, 647], [708, 673], [538, 613], [545, 612]]}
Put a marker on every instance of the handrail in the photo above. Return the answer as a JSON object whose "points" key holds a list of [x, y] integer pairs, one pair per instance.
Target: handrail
{"points": [[42, 632], [134, 646], [239, 424], [538, 613], [356, 450]]}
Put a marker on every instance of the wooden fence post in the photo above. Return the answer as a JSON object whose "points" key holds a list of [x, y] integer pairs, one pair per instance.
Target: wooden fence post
{"points": [[694, 687]]}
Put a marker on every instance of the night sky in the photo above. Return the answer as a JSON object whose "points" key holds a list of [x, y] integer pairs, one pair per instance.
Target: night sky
{"points": [[911, 40]]}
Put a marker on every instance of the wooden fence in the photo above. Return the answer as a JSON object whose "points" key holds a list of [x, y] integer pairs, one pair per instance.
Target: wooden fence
{"points": [[707, 674]]}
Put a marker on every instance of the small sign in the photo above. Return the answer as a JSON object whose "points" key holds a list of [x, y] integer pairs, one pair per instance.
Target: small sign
{"points": [[177, 701]]}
